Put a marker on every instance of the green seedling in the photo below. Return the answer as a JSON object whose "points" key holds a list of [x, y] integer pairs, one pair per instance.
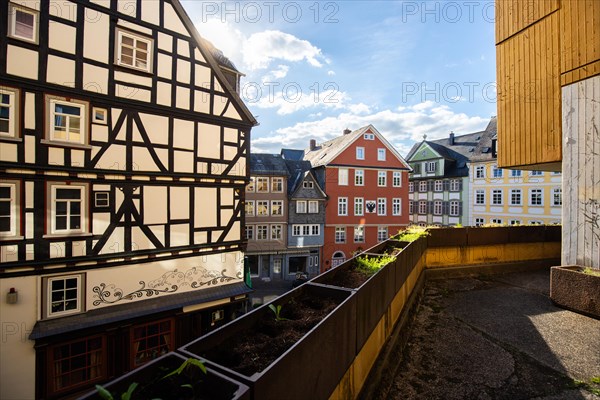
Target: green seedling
{"points": [[277, 311], [106, 395]]}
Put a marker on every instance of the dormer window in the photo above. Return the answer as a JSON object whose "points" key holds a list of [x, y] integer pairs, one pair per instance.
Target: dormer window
{"points": [[134, 51], [23, 23], [307, 184]]}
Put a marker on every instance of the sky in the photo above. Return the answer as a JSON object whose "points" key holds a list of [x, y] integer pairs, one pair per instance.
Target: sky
{"points": [[313, 69]]}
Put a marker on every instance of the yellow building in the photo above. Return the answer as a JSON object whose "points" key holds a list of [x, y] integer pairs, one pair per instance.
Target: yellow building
{"points": [[548, 58]]}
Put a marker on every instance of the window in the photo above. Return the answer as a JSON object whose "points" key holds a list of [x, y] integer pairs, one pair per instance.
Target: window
{"points": [[150, 341], [340, 234], [455, 185], [101, 199], [380, 154], [381, 206], [454, 208], [313, 207], [63, 295], [382, 233], [359, 206], [411, 207], [296, 230], [430, 166], [437, 207], [496, 221], [416, 168], [536, 173], [262, 232], [480, 171], [496, 172], [360, 153], [479, 221], [533, 222], [556, 172], [301, 206], [277, 262], [306, 230], [9, 209], [276, 207], [535, 197], [438, 186], [262, 207], [497, 197], [77, 363], [382, 178], [397, 179], [422, 207], [23, 23], [343, 176], [515, 197], [315, 230], [369, 136], [396, 206], [514, 222], [134, 51], [411, 187], [342, 206], [515, 173], [480, 196], [249, 208], [359, 234], [251, 187], [68, 213], [423, 186], [276, 232], [359, 177], [262, 184], [308, 184], [67, 121], [557, 197], [9, 101], [276, 185], [249, 232]]}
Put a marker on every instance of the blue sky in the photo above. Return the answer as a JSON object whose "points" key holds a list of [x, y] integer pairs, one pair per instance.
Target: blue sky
{"points": [[315, 68]]}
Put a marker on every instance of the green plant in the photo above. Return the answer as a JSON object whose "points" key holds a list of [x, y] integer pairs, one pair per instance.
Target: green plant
{"points": [[106, 395], [594, 272], [595, 379], [189, 362], [277, 311], [370, 265], [413, 233]]}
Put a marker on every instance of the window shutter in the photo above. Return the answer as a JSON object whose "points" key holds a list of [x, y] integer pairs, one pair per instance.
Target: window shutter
{"points": [[417, 168], [460, 208], [430, 207], [417, 186], [445, 208], [460, 185], [435, 168], [446, 185], [430, 186]]}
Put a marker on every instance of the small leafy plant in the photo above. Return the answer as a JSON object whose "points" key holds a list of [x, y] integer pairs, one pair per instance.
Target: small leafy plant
{"points": [[591, 271], [106, 395], [413, 233], [370, 265], [277, 311]]}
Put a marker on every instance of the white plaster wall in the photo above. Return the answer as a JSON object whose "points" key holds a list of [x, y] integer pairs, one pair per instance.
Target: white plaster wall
{"points": [[17, 356], [581, 173]]}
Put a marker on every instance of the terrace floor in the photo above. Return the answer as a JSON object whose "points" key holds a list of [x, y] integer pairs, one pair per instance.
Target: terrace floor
{"points": [[494, 337]]}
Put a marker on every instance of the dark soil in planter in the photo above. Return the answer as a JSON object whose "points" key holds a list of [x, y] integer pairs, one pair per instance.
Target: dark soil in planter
{"points": [[255, 349], [350, 278]]}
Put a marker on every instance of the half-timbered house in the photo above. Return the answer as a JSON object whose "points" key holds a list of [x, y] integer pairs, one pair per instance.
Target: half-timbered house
{"points": [[123, 151]]}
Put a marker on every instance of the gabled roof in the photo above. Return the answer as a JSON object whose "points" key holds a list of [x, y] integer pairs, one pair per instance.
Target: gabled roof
{"points": [[213, 62], [326, 152], [267, 164], [299, 170], [483, 151], [292, 154]]}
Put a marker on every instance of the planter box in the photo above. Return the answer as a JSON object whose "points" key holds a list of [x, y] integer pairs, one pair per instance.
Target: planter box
{"points": [[572, 289], [310, 368], [214, 385], [443, 237]]}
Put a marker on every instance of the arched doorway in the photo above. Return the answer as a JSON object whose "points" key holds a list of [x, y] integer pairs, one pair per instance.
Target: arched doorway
{"points": [[338, 258]]}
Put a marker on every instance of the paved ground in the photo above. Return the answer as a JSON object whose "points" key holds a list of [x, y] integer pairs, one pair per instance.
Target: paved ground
{"points": [[265, 291], [496, 337]]}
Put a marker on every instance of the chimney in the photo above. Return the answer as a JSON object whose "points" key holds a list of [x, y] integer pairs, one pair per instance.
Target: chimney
{"points": [[451, 139], [313, 144], [347, 131]]}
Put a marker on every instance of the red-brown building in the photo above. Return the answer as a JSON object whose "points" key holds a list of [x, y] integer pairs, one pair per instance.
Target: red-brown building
{"points": [[366, 181]]}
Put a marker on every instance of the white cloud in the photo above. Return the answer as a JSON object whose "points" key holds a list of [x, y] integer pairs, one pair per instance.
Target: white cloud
{"points": [[331, 73], [290, 100], [261, 48], [279, 73]]}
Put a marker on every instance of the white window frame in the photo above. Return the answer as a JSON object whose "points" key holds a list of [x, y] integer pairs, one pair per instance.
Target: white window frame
{"points": [[262, 229], [12, 22], [276, 232], [101, 199], [536, 192], [359, 234], [423, 186], [411, 187], [479, 221], [422, 207], [249, 205], [536, 173], [340, 234], [369, 136], [513, 193], [381, 154], [438, 185], [14, 209], [382, 178], [514, 222], [276, 185], [382, 233], [249, 229], [277, 264], [51, 103], [359, 177], [307, 184], [454, 208], [301, 207], [83, 210], [396, 206], [259, 205], [480, 172], [96, 111], [496, 221], [497, 172], [381, 206], [343, 176], [411, 207], [495, 201], [557, 197], [296, 230], [454, 185], [516, 173], [359, 206], [13, 111], [315, 230], [397, 179], [480, 197], [262, 181], [274, 205], [48, 295], [251, 186], [438, 207], [136, 38], [430, 167], [313, 207], [360, 153], [342, 206]]}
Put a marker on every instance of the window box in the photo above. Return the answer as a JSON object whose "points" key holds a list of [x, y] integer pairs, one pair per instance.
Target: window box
{"points": [[576, 290], [151, 384]]}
